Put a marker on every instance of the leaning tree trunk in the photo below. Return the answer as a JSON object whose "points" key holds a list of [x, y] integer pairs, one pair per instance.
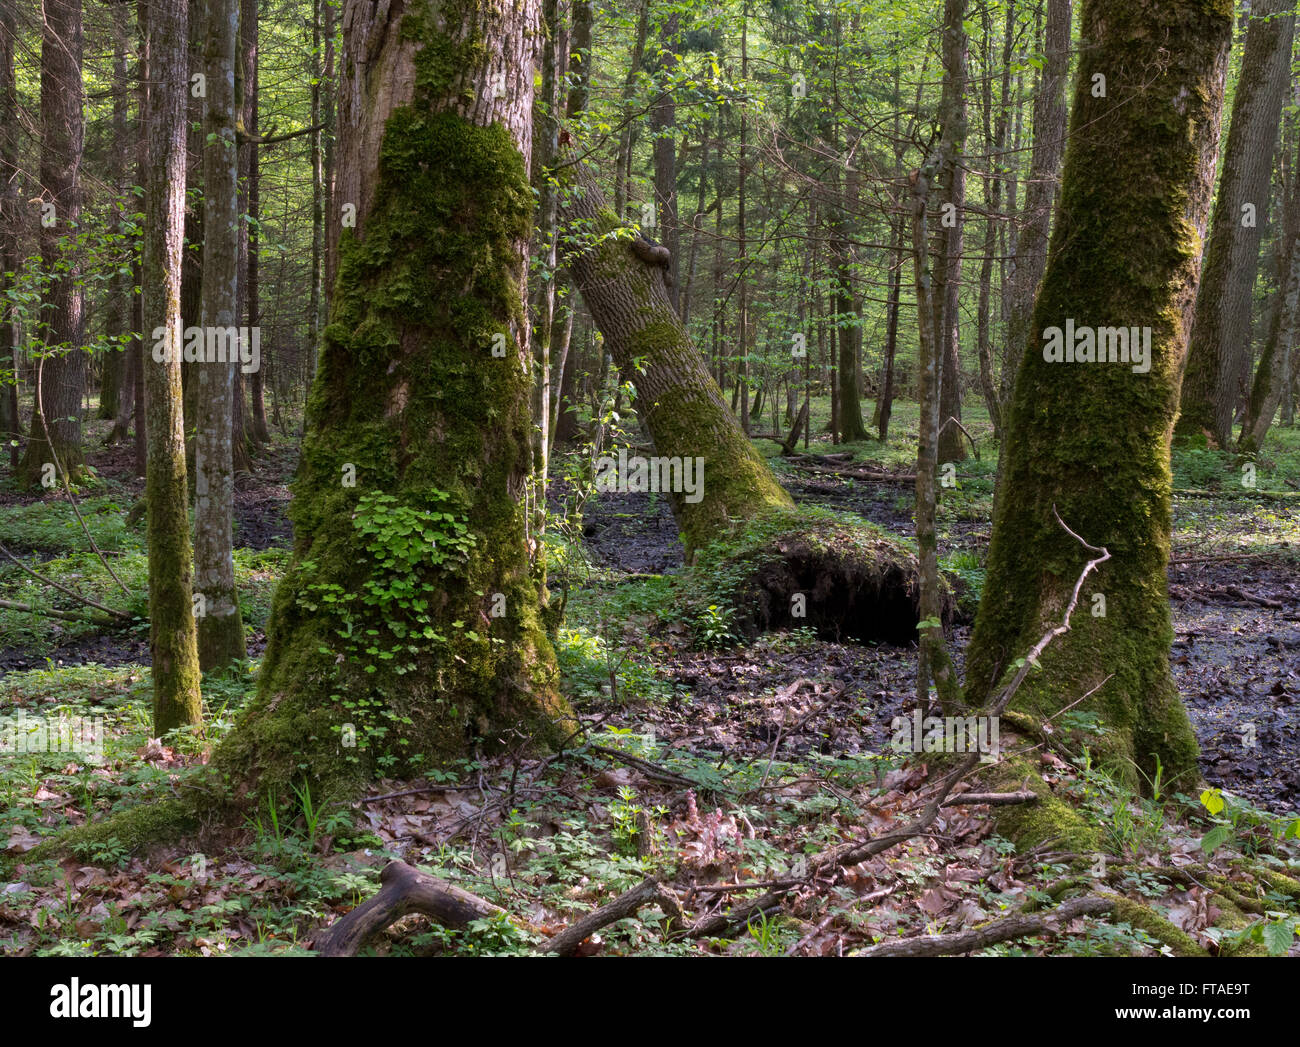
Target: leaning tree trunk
{"points": [[677, 398], [56, 424], [1221, 332], [407, 625], [854, 580], [172, 640], [221, 627], [1091, 440]]}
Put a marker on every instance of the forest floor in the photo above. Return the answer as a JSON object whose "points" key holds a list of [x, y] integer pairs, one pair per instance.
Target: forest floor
{"points": [[725, 762]]}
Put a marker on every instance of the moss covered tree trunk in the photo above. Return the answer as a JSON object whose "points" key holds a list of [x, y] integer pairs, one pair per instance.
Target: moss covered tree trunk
{"points": [[1092, 439], [678, 399], [172, 641], [1220, 344], [407, 629], [56, 426]]}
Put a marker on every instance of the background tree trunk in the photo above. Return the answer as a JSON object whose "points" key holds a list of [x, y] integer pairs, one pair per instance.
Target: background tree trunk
{"points": [[1040, 191], [948, 261], [173, 643], [63, 377], [10, 423], [1221, 331], [220, 626]]}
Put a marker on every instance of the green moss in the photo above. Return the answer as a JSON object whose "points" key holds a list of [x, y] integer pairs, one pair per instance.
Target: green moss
{"points": [[853, 575], [1051, 822], [1143, 917], [135, 828]]}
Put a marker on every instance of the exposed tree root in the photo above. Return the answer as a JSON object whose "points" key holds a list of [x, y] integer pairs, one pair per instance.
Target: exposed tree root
{"points": [[844, 578]]}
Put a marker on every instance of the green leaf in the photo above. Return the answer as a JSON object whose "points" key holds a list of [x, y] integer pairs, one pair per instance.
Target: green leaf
{"points": [[1215, 838], [1278, 937]]}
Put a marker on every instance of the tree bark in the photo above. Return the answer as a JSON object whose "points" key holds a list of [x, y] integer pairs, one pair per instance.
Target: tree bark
{"points": [[948, 258], [1271, 376], [10, 422], [172, 638], [1091, 440], [55, 436], [1030, 250], [407, 627], [251, 204], [679, 401], [220, 625], [1220, 341]]}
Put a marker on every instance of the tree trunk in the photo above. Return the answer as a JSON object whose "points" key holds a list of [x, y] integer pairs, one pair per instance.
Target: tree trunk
{"points": [[933, 665], [1221, 330], [120, 401], [1091, 440], [663, 125], [1030, 251], [10, 422], [626, 138], [885, 406], [948, 262], [172, 639], [407, 628], [249, 161], [995, 133], [221, 628], [678, 399], [56, 424], [1271, 378]]}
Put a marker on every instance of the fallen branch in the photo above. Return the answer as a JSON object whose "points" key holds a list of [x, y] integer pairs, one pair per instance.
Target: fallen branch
{"points": [[954, 421], [992, 799], [50, 612], [646, 767], [63, 588], [404, 890], [1245, 492], [1021, 925], [648, 892]]}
